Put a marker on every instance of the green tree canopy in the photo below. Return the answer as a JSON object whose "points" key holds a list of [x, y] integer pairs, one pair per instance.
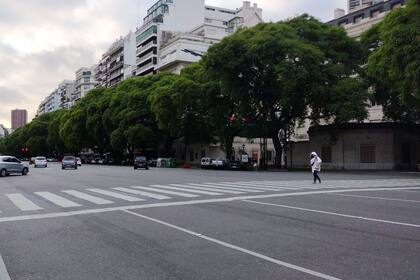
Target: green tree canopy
{"points": [[281, 73], [393, 49]]}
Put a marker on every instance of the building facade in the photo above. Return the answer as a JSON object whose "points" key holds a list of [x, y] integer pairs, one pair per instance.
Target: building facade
{"points": [[373, 144], [19, 117], [361, 19], [176, 33], [116, 64], [60, 98], [85, 81]]}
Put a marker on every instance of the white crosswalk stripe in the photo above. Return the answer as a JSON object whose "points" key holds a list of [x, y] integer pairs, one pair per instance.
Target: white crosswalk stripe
{"points": [[58, 200], [207, 188], [143, 193], [179, 187], [88, 197], [236, 188], [116, 195], [261, 186], [242, 187], [21, 202], [154, 188]]}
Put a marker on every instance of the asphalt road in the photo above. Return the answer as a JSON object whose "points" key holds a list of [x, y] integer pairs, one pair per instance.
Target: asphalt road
{"points": [[103, 222]]}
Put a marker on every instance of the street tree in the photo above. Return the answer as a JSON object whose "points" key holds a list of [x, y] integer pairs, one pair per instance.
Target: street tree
{"points": [[393, 49], [282, 73]]}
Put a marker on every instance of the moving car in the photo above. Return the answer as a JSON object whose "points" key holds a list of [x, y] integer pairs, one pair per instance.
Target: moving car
{"points": [[40, 162], [79, 161], [218, 163], [141, 162], [69, 162], [10, 165]]}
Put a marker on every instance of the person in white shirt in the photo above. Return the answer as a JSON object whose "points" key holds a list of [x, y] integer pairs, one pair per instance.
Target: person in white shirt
{"points": [[316, 166]]}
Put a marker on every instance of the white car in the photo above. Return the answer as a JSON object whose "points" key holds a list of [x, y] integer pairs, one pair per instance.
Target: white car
{"points": [[40, 162]]}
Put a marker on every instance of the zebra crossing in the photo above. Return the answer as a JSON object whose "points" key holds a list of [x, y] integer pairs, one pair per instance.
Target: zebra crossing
{"points": [[89, 197]]}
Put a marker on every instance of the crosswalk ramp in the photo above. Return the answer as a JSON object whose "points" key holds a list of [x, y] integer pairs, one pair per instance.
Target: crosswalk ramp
{"points": [[94, 197]]}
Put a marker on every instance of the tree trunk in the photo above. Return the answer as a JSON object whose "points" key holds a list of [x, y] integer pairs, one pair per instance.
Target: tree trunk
{"points": [[227, 144], [278, 148]]}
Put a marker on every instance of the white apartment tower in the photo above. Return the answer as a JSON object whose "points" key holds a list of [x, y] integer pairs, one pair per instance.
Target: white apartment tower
{"points": [[85, 81], [176, 32], [116, 64]]}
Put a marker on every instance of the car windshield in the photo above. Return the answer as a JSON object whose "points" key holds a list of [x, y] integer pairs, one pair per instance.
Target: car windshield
{"points": [[140, 158], [68, 158], [40, 158]]}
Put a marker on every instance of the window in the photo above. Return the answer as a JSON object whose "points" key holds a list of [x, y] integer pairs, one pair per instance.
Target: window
{"points": [[375, 13], [326, 152], [367, 154], [358, 19], [86, 80]]}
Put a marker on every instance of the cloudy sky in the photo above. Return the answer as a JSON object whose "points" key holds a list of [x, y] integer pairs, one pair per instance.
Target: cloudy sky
{"points": [[43, 42]]}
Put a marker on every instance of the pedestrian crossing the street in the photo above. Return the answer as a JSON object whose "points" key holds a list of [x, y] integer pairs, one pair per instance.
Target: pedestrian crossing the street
{"points": [[91, 197]]}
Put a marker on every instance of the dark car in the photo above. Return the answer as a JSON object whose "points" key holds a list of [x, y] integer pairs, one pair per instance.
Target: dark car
{"points": [[69, 162], [141, 162], [9, 165]]}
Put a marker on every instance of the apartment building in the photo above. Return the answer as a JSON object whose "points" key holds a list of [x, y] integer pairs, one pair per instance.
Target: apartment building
{"points": [[177, 32], [116, 64], [185, 48], [60, 98], [19, 117], [85, 81], [359, 20]]}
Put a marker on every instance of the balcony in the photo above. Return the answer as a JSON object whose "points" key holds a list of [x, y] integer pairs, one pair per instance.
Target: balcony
{"points": [[117, 65], [115, 75], [146, 57], [145, 35], [145, 68], [146, 47]]}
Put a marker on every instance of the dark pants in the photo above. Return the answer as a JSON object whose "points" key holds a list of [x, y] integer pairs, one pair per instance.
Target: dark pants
{"points": [[316, 177]]}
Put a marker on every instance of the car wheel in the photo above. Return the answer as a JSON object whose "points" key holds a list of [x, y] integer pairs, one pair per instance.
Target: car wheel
{"points": [[3, 173], [75, 168], [62, 167], [25, 171]]}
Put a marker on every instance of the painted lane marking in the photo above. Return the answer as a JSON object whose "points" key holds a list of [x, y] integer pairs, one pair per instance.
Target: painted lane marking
{"points": [[21, 202], [378, 197], [142, 193], [58, 200], [271, 186], [201, 187], [236, 248], [4, 275], [334, 214], [155, 189], [241, 187], [244, 190], [116, 195], [179, 187], [88, 197], [183, 203]]}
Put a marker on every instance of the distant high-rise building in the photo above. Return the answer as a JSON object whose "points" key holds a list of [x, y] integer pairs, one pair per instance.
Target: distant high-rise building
{"points": [[19, 118], [85, 81]]}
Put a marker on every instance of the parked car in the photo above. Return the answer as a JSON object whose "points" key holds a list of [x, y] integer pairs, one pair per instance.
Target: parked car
{"points": [[206, 163], [11, 165], [69, 162], [153, 163], [141, 162], [218, 163], [40, 162], [79, 161]]}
